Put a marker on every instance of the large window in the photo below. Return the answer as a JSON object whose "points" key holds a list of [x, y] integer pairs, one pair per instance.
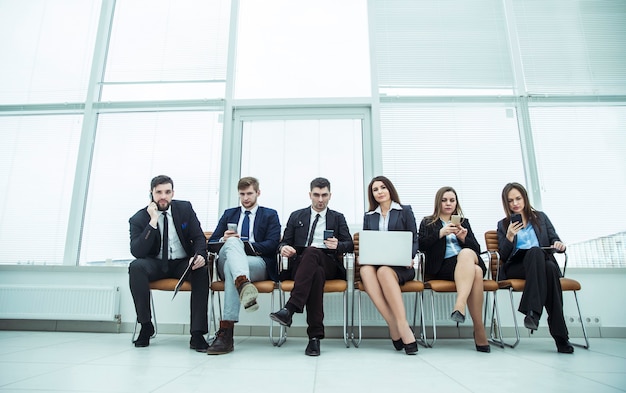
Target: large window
{"points": [[46, 58], [132, 148], [582, 171], [293, 49], [37, 163], [474, 149], [286, 154]]}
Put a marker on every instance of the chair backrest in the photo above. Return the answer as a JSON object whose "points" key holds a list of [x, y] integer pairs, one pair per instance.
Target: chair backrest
{"points": [[491, 240]]}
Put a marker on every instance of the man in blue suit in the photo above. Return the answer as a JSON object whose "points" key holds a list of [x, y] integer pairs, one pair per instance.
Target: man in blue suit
{"points": [[260, 227], [320, 260], [166, 237]]}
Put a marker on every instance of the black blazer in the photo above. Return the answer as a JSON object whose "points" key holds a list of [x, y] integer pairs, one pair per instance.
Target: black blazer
{"points": [[434, 247], [399, 220], [546, 234], [266, 234], [297, 231], [145, 241]]}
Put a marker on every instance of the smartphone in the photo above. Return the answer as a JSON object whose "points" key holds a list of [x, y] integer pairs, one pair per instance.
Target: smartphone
{"points": [[516, 217], [232, 227], [328, 233], [455, 219]]}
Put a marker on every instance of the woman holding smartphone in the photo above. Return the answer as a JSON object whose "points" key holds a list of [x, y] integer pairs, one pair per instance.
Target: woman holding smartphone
{"points": [[382, 283], [451, 250], [526, 240]]}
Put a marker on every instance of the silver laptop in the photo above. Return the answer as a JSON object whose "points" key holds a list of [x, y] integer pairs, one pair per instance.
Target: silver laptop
{"points": [[391, 248]]}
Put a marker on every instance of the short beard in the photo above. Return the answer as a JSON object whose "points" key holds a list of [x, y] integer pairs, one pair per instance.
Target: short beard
{"points": [[167, 206]]}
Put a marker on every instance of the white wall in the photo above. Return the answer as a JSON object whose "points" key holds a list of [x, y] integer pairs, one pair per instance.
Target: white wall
{"points": [[600, 296]]}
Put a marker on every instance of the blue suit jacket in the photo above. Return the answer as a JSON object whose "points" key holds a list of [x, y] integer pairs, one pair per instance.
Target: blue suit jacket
{"points": [[266, 234], [399, 220], [145, 241]]}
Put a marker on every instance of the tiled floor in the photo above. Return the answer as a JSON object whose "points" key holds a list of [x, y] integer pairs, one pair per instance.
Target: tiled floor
{"points": [[96, 362]]}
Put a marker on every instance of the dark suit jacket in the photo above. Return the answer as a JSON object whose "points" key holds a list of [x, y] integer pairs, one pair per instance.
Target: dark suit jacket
{"points": [[266, 234], [434, 247], [399, 220], [546, 234], [297, 231], [145, 241]]}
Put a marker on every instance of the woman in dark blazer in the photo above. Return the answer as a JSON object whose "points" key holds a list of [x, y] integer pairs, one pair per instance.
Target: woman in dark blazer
{"points": [[452, 253], [522, 244], [382, 283]]}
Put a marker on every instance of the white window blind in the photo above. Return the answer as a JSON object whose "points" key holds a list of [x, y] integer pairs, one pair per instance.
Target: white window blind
{"points": [[132, 148], [441, 44], [296, 49], [582, 171], [37, 166], [167, 41], [46, 48], [475, 149], [285, 155], [573, 46]]}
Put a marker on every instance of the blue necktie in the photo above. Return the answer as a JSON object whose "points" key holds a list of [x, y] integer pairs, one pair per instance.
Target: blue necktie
{"points": [[245, 226]]}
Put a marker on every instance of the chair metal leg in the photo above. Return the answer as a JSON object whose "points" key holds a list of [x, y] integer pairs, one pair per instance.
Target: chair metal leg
{"points": [[356, 341], [495, 337], [432, 308], [582, 324], [419, 296], [346, 339], [517, 335], [282, 330]]}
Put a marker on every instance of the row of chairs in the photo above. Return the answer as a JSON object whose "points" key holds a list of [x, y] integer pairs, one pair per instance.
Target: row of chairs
{"points": [[353, 288]]}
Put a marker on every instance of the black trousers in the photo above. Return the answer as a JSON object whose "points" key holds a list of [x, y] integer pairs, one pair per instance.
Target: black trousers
{"points": [[310, 272], [542, 288], [142, 271]]}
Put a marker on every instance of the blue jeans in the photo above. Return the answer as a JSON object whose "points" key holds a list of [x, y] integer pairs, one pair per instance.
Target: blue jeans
{"points": [[232, 263]]}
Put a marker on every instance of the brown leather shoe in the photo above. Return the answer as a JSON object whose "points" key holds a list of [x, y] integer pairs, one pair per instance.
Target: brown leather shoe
{"points": [[247, 293], [223, 342]]}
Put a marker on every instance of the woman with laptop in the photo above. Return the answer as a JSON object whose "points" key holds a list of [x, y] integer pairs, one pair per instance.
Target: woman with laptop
{"points": [[451, 250], [381, 282]]}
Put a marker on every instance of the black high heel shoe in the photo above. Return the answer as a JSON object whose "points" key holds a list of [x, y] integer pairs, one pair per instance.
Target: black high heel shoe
{"points": [[481, 348], [457, 317], [398, 344], [410, 348]]}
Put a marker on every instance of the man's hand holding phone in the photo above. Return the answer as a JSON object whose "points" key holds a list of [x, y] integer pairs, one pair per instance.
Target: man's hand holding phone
{"points": [[153, 211]]}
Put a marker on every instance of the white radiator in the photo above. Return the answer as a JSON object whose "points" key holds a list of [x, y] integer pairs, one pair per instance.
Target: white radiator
{"points": [[77, 303], [444, 304]]}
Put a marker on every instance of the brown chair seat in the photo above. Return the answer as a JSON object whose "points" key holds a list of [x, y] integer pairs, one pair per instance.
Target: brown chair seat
{"points": [[329, 286], [169, 284]]}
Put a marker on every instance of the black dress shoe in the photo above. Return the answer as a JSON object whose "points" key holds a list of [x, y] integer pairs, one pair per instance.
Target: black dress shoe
{"points": [[531, 321], [313, 349], [457, 317], [198, 343], [398, 344], [282, 316], [563, 345], [147, 330], [411, 348]]}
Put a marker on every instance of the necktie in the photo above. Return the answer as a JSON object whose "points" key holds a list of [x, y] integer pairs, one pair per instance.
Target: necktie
{"points": [[245, 226], [310, 239], [165, 248]]}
